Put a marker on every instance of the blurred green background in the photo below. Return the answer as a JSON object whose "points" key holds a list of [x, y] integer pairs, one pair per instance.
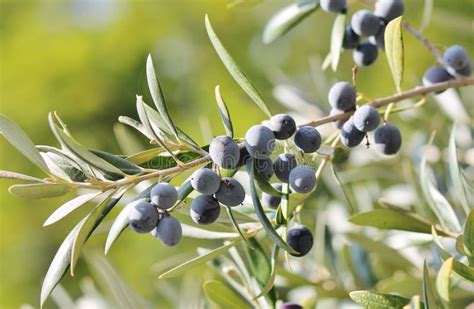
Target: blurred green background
{"points": [[85, 59]]}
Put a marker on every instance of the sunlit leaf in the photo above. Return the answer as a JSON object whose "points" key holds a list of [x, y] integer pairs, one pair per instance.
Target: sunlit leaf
{"points": [[455, 173], [136, 125], [427, 12], [259, 262], [236, 224], [224, 112], [195, 232], [429, 296], [18, 138], [389, 219], [375, 300], [157, 95], [443, 280], [261, 213], [73, 146], [438, 203], [18, 176], [469, 233], [68, 207], [59, 265], [62, 164], [415, 303], [286, 19], [224, 296], [337, 36], [394, 49], [265, 186], [39, 190], [234, 70], [199, 260], [145, 155], [91, 221], [271, 280]]}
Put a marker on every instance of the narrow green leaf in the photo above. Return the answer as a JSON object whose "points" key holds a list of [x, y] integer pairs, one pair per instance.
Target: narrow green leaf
{"points": [[18, 138], [389, 219], [271, 280], [261, 213], [394, 49], [259, 262], [429, 297], [73, 146], [455, 172], [265, 186], [62, 259], [199, 260], [375, 300], [443, 280], [91, 221], [18, 176], [63, 166], [463, 271], [68, 207], [234, 70], [158, 123], [236, 225], [285, 202], [136, 125], [443, 253], [224, 296], [145, 155], [39, 190], [438, 203], [427, 12], [469, 233], [337, 36], [127, 141], [198, 233], [224, 112], [59, 265], [157, 95], [122, 164], [286, 19], [144, 117]]}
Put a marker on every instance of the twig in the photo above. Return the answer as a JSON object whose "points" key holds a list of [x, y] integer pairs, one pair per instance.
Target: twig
{"points": [[418, 91], [433, 49]]}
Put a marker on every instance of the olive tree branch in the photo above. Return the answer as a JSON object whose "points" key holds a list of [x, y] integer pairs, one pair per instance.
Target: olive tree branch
{"points": [[417, 91]]}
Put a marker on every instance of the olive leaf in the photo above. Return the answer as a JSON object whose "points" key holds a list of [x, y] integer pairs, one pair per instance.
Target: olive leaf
{"points": [[195, 232], [376, 300], [68, 207], [39, 190], [443, 280], [122, 164], [337, 37], [271, 280], [438, 203], [91, 221], [157, 95], [259, 262], [136, 125], [74, 147], [18, 138], [18, 176], [394, 49], [224, 112], [286, 19], [261, 213], [199, 260], [224, 296], [455, 172], [429, 296], [469, 233], [391, 219], [236, 224], [234, 70]]}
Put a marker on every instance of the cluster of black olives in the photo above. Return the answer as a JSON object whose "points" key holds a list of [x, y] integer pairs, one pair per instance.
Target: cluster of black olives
{"points": [[456, 62], [154, 217], [364, 23], [342, 98]]}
